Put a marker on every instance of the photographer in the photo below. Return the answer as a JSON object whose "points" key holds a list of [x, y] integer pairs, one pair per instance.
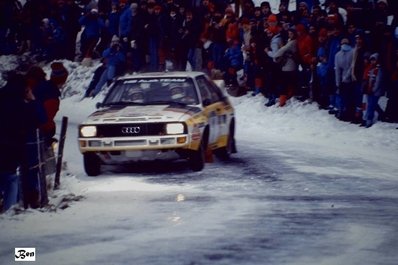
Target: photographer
{"points": [[113, 59]]}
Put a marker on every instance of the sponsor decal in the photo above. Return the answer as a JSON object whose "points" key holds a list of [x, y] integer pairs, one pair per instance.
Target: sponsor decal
{"points": [[195, 134]]}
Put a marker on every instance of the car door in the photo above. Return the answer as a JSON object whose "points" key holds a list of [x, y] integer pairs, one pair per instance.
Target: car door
{"points": [[212, 104], [223, 109]]}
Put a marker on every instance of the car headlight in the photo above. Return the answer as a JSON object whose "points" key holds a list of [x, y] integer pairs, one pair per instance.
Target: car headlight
{"points": [[88, 131], [174, 128]]}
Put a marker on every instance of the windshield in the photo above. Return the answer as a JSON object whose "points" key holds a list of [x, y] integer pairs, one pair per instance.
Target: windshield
{"points": [[148, 91]]}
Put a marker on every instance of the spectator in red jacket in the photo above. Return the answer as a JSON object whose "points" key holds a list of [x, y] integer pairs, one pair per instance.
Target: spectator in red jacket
{"points": [[306, 52]]}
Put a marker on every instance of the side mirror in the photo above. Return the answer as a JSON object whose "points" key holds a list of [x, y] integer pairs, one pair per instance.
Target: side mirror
{"points": [[99, 105], [206, 102]]}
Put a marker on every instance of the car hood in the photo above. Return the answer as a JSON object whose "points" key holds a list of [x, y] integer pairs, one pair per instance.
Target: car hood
{"points": [[151, 113]]}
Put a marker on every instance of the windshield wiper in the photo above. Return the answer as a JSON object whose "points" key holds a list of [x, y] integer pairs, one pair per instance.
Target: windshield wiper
{"points": [[122, 103], [166, 102]]}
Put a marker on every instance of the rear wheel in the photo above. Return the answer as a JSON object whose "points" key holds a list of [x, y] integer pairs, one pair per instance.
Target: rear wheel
{"points": [[92, 164]]}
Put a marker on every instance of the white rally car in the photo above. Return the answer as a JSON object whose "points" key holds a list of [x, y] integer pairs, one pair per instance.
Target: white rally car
{"points": [[159, 116]]}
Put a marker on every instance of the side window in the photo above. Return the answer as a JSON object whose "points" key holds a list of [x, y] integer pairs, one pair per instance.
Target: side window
{"points": [[204, 90], [216, 93], [208, 90]]}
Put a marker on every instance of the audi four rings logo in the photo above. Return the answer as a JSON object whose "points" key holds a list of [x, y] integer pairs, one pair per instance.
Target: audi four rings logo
{"points": [[131, 130]]}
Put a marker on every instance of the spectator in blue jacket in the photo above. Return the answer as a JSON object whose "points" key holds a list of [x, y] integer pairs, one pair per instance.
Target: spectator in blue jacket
{"points": [[113, 19], [93, 24], [125, 20], [113, 59], [233, 60]]}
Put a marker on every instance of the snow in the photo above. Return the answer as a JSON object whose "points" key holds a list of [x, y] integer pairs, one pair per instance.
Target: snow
{"points": [[299, 127]]}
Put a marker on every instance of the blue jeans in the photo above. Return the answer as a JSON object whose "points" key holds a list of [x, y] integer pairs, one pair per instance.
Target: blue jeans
{"points": [[153, 45], [217, 54], [372, 106], [9, 183], [108, 74]]}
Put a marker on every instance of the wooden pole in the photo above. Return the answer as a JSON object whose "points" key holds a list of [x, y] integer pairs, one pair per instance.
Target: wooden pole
{"points": [[42, 172], [60, 152]]}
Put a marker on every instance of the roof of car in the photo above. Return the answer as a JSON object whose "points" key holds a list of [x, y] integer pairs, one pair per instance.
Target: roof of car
{"points": [[190, 74]]}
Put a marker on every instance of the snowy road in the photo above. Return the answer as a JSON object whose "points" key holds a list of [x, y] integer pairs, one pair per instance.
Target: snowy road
{"points": [[272, 204], [304, 189]]}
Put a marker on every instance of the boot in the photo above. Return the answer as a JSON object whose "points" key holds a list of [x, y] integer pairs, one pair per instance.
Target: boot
{"points": [[270, 103], [282, 100], [369, 124], [256, 92]]}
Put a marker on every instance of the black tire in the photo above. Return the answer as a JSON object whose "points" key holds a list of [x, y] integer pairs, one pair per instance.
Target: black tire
{"points": [[224, 153], [92, 164], [197, 158]]}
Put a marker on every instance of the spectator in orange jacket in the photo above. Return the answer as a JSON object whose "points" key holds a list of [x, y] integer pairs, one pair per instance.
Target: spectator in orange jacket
{"points": [[306, 52]]}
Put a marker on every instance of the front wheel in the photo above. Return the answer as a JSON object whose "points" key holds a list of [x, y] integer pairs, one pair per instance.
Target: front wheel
{"points": [[197, 158], [92, 164]]}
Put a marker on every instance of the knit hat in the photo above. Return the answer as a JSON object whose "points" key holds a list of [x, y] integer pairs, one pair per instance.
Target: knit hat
{"points": [[300, 28], [323, 32], [333, 18], [36, 73], [366, 55], [383, 1], [359, 34], [272, 18], [345, 41], [374, 56], [59, 74], [245, 21], [303, 4], [115, 39]]}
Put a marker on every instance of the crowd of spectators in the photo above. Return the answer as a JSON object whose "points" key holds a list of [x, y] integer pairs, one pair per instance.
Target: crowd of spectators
{"points": [[343, 55], [28, 105], [340, 54]]}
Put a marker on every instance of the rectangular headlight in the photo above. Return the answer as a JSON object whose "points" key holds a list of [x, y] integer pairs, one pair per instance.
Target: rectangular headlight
{"points": [[175, 128], [88, 131]]}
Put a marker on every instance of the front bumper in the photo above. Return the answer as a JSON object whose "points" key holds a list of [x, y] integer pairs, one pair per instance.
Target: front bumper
{"points": [[128, 149], [134, 143]]}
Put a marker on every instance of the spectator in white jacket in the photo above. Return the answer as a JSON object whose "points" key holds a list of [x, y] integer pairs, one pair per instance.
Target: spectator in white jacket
{"points": [[286, 56], [344, 82], [273, 73]]}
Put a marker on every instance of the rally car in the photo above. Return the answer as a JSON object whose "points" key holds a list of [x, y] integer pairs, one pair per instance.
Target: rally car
{"points": [[159, 116]]}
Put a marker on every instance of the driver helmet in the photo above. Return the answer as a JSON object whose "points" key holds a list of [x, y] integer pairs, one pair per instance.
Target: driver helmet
{"points": [[177, 91], [136, 95]]}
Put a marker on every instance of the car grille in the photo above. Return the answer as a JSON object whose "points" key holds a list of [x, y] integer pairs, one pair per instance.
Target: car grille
{"points": [[131, 129]]}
